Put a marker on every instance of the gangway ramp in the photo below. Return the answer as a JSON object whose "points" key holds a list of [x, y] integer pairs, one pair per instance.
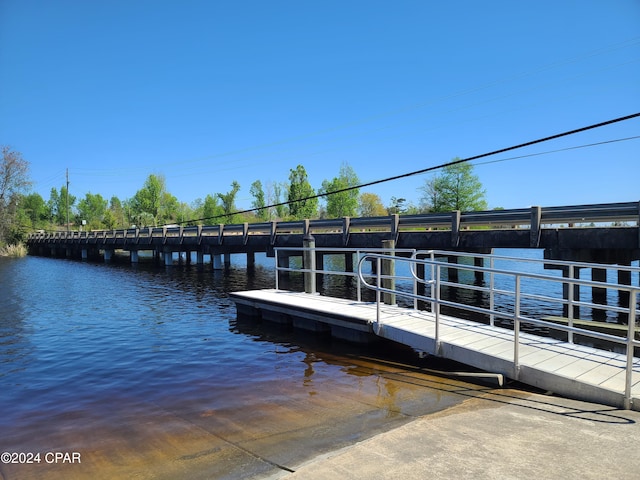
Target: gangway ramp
{"points": [[567, 369]]}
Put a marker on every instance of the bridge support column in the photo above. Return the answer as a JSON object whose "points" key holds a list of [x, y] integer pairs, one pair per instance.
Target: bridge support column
{"points": [[348, 262], [216, 260], [200, 257], [388, 268], [283, 277], [227, 260], [599, 295], [168, 259], [452, 272], [576, 292], [309, 263], [85, 254], [133, 256], [108, 254], [479, 276], [251, 259], [624, 278]]}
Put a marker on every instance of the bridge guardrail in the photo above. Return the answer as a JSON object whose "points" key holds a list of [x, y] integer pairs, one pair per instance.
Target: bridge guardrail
{"points": [[534, 217]]}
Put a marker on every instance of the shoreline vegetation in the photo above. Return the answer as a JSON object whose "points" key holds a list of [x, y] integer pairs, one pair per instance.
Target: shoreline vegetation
{"points": [[13, 250]]}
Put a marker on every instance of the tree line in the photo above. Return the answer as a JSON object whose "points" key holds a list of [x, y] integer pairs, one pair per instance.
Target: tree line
{"points": [[21, 211]]}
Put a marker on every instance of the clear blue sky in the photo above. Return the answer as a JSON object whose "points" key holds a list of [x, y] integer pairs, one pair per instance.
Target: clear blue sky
{"points": [[207, 92]]}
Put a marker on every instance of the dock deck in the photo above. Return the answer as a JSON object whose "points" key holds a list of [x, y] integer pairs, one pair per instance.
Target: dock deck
{"points": [[567, 369]]}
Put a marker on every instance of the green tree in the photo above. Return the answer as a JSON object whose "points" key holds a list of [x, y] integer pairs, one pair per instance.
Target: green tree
{"points": [[59, 207], [455, 188], [229, 201], [92, 209], [152, 203], [301, 203], [397, 206], [211, 210], [169, 209], [116, 217], [370, 205], [35, 209], [343, 203], [279, 192], [259, 202]]}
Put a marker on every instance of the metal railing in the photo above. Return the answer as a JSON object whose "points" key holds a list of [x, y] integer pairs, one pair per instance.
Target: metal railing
{"points": [[358, 252], [513, 289], [513, 312]]}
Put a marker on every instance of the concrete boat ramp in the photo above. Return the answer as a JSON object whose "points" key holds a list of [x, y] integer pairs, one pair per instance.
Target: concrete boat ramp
{"points": [[567, 369]]}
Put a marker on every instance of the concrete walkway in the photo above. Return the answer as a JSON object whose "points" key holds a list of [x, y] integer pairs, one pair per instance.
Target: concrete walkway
{"points": [[505, 435]]}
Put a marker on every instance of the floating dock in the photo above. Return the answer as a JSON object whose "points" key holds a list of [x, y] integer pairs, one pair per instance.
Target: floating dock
{"points": [[567, 369]]}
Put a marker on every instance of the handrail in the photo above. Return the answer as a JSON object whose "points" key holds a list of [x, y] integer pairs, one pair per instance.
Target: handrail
{"points": [[333, 250], [514, 314]]}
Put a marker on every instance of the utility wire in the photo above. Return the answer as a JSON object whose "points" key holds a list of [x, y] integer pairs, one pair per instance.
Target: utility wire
{"points": [[604, 142], [436, 167]]}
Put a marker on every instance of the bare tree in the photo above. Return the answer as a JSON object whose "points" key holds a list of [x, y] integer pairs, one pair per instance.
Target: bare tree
{"points": [[14, 174], [14, 180]]}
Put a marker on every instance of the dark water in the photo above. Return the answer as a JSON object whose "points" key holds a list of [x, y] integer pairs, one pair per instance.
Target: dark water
{"points": [[146, 372]]}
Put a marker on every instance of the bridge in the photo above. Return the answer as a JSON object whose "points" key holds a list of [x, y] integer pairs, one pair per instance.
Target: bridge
{"points": [[603, 239], [598, 233], [499, 325]]}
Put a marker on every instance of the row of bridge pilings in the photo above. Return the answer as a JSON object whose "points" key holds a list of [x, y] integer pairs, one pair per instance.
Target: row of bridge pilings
{"points": [[314, 260], [159, 256], [601, 264]]}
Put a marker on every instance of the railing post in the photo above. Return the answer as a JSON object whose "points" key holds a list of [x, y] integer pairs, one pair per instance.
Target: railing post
{"points": [[346, 226], [220, 233], [395, 226], [455, 228], [274, 230], [437, 309], [570, 299], [309, 263], [388, 272], [277, 268], [631, 335], [516, 331], [536, 216], [378, 268], [432, 288], [492, 296], [358, 283]]}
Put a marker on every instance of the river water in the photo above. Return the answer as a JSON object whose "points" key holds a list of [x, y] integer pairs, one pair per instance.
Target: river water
{"points": [[145, 371]]}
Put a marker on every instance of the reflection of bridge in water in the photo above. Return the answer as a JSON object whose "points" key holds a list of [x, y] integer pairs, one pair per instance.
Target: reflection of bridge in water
{"points": [[513, 332]]}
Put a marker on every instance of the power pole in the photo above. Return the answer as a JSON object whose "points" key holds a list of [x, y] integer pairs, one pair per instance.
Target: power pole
{"points": [[67, 200]]}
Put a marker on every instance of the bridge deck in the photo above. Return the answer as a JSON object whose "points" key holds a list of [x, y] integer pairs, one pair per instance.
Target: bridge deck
{"points": [[564, 368]]}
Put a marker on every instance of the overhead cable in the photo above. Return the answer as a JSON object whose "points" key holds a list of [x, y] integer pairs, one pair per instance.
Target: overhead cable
{"points": [[430, 169]]}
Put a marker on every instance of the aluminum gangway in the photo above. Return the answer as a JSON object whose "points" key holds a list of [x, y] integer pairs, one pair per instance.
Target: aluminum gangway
{"points": [[507, 330]]}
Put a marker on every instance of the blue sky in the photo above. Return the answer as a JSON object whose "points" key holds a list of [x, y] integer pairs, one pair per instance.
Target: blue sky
{"points": [[208, 92]]}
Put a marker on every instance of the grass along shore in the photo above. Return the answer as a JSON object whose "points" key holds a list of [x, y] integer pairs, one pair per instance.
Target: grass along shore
{"points": [[14, 250]]}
